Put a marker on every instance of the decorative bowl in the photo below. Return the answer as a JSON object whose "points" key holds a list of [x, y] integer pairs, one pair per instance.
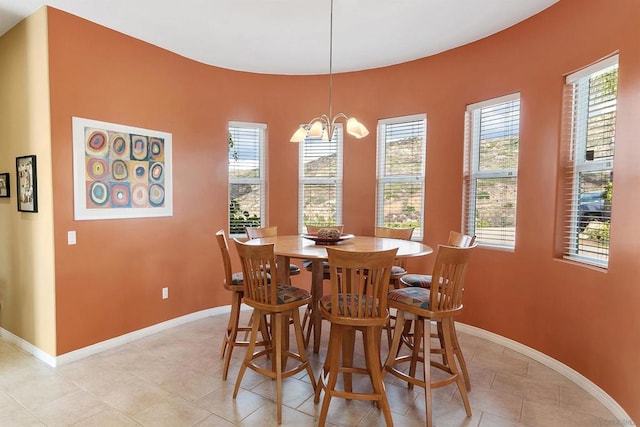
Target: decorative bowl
{"points": [[326, 240]]}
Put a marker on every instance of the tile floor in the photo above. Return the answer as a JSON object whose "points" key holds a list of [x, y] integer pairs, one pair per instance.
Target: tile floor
{"points": [[173, 378]]}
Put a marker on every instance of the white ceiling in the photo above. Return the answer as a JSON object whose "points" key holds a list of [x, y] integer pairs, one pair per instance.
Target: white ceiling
{"points": [[292, 36]]}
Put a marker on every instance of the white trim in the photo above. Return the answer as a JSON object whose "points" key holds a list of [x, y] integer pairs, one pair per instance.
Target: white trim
{"points": [[592, 69], [581, 381], [493, 101], [564, 370]]}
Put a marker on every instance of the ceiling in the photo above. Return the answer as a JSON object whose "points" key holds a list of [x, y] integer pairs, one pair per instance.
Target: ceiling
{"points": [[292, 36]]}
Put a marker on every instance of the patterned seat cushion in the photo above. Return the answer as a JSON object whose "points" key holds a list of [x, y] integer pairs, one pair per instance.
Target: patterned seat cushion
{"points": [[294, 269], [307, 264], [413, 296], [396, 270], [287, 294], [417, 280], [237, 279], [325, 301]]}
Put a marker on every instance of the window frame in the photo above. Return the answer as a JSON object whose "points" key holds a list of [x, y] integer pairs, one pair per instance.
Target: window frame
{"points": [[472, 167], [337, 180], [382, 179], [575, 122], [260, 180]]}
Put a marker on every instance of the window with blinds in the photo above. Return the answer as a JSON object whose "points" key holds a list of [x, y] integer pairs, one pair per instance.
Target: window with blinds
{"points": [[246, 176], [320, 181], [402, 148], [590, 97], [492, 135]]}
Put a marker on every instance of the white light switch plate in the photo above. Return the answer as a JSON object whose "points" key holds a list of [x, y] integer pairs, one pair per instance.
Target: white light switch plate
{"points": [[71, 237]]}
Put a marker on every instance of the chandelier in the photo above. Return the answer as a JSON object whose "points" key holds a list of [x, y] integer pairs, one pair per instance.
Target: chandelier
{"points": [[325, 124]]}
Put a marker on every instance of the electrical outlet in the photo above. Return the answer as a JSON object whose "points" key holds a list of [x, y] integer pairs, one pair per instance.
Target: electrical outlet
{"points": [[165, 293]]}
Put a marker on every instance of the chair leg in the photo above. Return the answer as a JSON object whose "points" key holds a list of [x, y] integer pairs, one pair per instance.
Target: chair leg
{"points": [[372, 357], [277, 334], [297, 327], [333, 359], [231, 335], [394, 348], [250, 350], [447, 331], [418, 333], [348, 342], [426, 366], [458, 352]]}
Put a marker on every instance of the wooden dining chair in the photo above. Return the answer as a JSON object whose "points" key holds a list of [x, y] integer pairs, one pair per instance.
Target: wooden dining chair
{"points": [[358, 302], [307, 264], [441, 303], [272, 231], [233, 282], [399, 268], [282, 303], [424, 280]]}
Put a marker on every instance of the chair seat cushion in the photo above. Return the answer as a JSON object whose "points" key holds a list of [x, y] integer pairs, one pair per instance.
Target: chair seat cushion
{"points": [[413, 296], [416, 280], [307, 264], [396, 270], [237, 278], [326, 303], [294, 269], [287, 294]]}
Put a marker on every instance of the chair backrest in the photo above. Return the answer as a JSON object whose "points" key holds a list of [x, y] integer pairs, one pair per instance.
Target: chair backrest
{"points": [[360, 282], [315, 228], [226, 259], [394, 233], [460, 240], [256, 260], [260, 232], [447, 282]]}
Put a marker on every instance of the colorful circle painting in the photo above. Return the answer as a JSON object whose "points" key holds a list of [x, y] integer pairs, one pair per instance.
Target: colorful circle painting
{"points": [[139, 147], [99, 193], [96, 142], [156, 195], [140, 196], [97, 168], [119, 145], [120, 196], [156, 149], [156, 172], [119, 170]]}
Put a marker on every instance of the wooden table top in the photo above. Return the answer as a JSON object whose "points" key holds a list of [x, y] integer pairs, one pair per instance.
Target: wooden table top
{"points": [[296, 246]]}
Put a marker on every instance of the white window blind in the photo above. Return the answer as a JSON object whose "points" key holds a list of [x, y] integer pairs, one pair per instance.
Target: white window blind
{"points": [[402, 143], [320, 181], [246, 176], [589, 120], [491, 170]]}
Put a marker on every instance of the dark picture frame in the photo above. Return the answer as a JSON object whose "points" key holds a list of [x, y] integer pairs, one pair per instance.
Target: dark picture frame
{"points": [[5, 185], [27, 183]]}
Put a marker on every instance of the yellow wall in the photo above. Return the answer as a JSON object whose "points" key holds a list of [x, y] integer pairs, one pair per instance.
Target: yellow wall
{"points": [[27, 287]]}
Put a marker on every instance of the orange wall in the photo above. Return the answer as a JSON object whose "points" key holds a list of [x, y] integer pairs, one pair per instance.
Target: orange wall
{"points": [[109, 283]]}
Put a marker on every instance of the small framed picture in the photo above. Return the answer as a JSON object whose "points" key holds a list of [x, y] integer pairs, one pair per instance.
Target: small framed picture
{"points": [[27, 183], [5, 187]]}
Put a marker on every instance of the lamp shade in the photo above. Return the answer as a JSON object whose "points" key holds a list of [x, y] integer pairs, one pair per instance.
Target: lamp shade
{"points": [[316, 129], [299, 135], [357, 129]]}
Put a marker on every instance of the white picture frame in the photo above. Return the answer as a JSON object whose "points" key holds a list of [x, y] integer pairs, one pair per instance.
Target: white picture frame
{"points": [[121, 171]]}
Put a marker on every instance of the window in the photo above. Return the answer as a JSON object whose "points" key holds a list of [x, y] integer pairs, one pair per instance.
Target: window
{"points": [[320, 181], [590, 119], [491, 170], [402, 143], [246, 176]]}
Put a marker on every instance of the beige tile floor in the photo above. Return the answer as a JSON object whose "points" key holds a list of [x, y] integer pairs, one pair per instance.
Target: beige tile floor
{"points": [[173, 378]]}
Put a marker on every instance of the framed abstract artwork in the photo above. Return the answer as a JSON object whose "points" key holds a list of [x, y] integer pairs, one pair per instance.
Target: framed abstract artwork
{"points": [[27, 183], [120, 171], [5, 185]]}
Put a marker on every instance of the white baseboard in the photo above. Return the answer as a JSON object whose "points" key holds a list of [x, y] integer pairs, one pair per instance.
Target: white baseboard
{"points": [[557, 366]]}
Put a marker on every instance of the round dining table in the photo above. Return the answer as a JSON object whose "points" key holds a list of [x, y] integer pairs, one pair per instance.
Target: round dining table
{"points": [[297, 246]]}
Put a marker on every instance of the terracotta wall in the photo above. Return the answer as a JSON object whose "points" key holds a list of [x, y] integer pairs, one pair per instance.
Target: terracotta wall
{"points": [[109, 283]]}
